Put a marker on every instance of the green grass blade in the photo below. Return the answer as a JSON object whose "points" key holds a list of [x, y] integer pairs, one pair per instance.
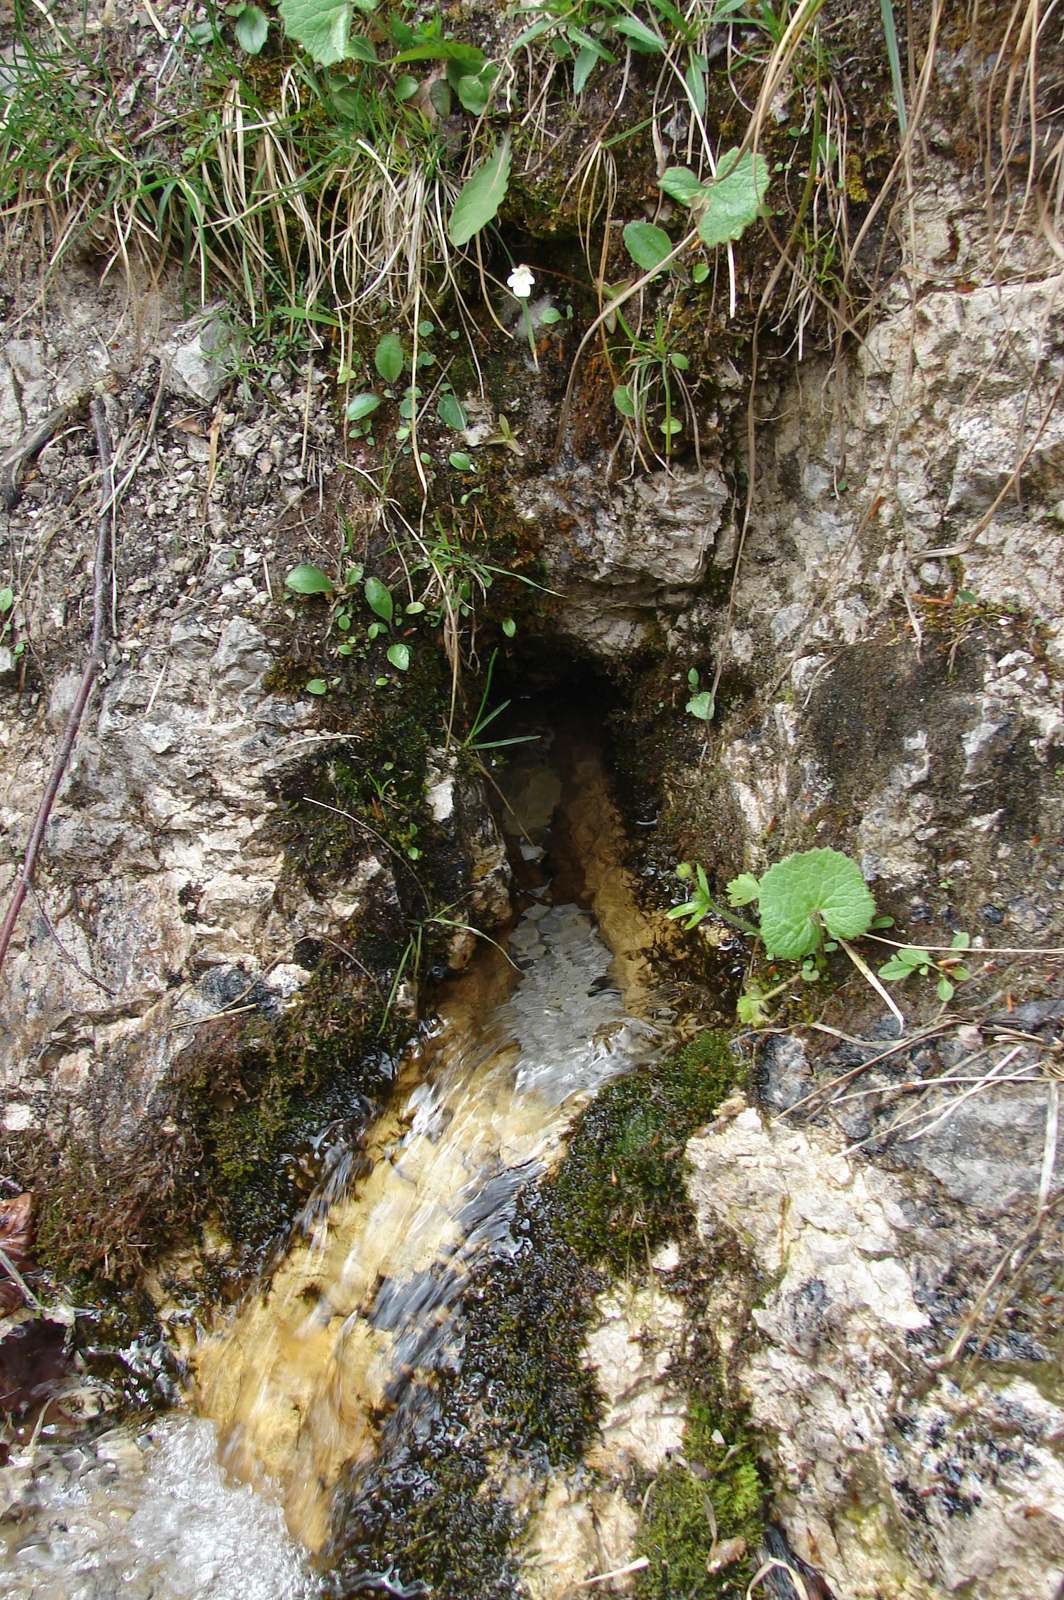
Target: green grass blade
{"points": [[890, 33]]}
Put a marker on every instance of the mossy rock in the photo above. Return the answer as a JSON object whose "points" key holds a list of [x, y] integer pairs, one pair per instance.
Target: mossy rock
{"points": [[620, 1191]]}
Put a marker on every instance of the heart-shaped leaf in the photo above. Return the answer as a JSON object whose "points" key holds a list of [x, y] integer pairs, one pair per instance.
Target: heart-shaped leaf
{"points": [[736, 197], [306, 579], [805, 894], [743, 890]]}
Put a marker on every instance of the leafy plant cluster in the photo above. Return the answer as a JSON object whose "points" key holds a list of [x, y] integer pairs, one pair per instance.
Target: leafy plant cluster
{"points": [[809, 904], [444, 578]]}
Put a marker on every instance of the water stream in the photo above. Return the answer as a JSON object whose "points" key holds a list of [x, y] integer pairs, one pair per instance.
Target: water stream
{"points": [[227, 1498]]}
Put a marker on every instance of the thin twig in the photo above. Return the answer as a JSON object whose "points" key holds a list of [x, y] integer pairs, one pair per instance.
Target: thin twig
{"points": [[88, 678], [988, 1288], [638, 1565], [869, 976], [65, 953], [1049, 1154], [13, 1273]]}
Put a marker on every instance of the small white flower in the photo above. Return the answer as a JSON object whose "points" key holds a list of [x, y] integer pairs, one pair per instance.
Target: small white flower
{"points": [[520, 281]]}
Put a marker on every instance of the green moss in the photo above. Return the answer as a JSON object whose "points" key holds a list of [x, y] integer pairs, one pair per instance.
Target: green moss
{"points": [[426, 1514], [255, 1092], [620, 1192], [523, 1366], [518, 1391], [717, 1482]]}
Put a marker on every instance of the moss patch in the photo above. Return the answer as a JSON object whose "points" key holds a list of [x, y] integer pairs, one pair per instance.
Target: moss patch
{"points": [[522, 1354], [620, 1191], [256, 1092], [718, 1484], [426, 1517], [718, 1479], [517, 1393]]}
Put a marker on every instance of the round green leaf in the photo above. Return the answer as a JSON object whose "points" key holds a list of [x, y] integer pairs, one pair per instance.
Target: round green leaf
{"points": [[405, 87], [701, 706], [735, 199], [744, 889], [550, 317], [360, 405], [399, 656], [700, 271], [388, 358], [460, 461], [622, 399], [305, 579], [252, 28], [648, 246], [805, 894], [509, 627], [7, 598], [317, 686]]}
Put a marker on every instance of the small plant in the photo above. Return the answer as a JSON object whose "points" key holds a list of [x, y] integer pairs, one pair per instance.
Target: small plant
{"points": [[700, 704], [946, 970], [809, 904], [473, 740], [800, 899]]}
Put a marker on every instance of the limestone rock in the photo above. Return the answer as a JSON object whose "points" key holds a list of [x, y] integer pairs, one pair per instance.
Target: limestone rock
{"points": [[202, 355], [890, 1490]]}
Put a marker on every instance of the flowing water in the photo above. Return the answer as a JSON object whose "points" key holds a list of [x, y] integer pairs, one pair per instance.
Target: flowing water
{"points": [[364, 1305]]}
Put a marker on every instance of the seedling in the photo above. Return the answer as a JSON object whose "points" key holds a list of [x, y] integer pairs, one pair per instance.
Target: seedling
{"points": [[700, 704], [947, 970]]}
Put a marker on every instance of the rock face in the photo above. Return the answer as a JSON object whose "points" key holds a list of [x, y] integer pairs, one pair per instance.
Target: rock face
{"points": [[895, 1481], [172, 887], [621, 553]]}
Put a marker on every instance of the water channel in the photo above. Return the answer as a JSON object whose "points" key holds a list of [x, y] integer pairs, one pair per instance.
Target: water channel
{"points": [[231, 1492]]}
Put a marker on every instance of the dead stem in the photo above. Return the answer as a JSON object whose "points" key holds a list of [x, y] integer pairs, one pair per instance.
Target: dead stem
{"points": [[101, 573]]}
